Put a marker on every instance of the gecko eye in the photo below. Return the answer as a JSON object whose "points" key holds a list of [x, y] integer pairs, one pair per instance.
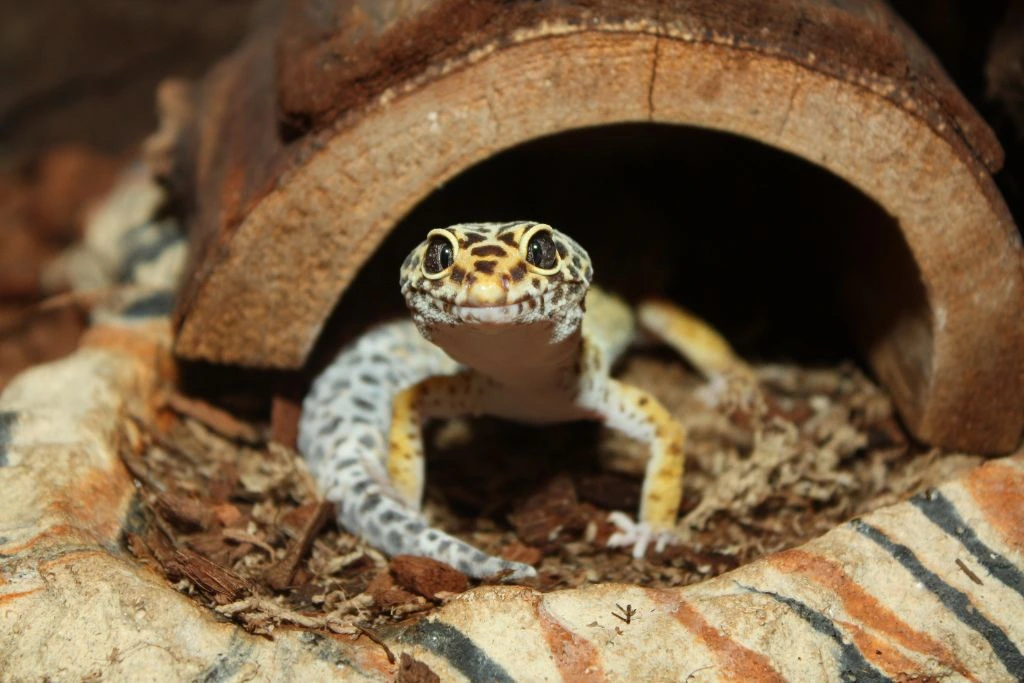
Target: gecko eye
{"points": [[440, 256], [540, 250]]}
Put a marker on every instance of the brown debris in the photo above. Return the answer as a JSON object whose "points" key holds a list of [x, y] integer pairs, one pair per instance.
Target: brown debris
{"points": [[551, 516], [518, 552], [216, 419], [412, 670], [184, 512], [304, 523], [386, 593], [427, 577], [222, 584], [822, 446]]}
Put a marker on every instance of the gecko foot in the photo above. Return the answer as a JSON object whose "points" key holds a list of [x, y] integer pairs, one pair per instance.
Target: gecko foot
{"points": [[637, 535]]}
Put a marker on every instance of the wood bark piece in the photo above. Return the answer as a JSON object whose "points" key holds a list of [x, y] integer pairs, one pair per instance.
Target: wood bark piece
{"points": [[311, 141]]}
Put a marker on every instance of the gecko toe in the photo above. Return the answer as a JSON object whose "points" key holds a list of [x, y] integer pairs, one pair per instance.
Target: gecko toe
{"points": [[638, 535]]}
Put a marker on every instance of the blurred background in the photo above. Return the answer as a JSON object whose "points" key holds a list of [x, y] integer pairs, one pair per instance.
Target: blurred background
{"points": [[77, 81]]}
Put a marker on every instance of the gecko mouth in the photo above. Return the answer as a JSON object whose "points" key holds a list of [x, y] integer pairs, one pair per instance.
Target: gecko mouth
{"points": [[502, 313], [495, 314]]}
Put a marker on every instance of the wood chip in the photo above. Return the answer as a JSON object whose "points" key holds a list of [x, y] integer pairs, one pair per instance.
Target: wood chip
{"points": [[216, 419], [386, 593], [550, 517], [227, 514], [427, 577], [185, 513], [518, 552], [210, 577], [412, 670], [304, 523]]}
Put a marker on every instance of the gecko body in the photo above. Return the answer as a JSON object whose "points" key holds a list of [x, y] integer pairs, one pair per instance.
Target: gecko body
{"points": [[504, 322]]}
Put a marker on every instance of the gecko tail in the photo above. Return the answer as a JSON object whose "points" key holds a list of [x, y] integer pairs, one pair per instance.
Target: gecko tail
{"points": [[373, 512]]}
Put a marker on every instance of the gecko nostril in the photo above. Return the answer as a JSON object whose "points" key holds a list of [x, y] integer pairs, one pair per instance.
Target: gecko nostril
{"points": [[505, 280]]}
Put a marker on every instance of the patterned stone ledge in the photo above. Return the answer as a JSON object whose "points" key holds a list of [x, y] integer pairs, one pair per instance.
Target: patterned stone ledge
{"points": [[932, 588]]}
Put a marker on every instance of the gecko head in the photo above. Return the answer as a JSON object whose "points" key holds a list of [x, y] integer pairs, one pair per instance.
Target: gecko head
{"points": [[492, 275]]}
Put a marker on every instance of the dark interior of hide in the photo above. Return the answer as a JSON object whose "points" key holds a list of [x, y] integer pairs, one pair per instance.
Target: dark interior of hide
{"points": [[788, 261]]}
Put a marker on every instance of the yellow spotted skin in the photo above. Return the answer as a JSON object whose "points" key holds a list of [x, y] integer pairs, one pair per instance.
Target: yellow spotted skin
{"points": [[508, 325]]}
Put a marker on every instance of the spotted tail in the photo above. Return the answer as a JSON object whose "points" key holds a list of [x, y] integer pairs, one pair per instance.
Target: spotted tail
{"points": [[343, 437]]}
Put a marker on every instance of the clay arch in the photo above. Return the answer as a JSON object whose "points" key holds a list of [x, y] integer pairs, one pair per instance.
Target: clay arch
{"points": [[273, 252]]}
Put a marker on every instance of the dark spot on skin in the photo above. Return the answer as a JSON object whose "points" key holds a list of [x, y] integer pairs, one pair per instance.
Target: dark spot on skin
{"points": [[372, 501], [394, 539], [432, 535], [369, 379], [363, 404], [535, 282], [329, 428], [340, 385], [389, 516], [561, 249], [589, 274], [643, 401], [508, 238], [486, 267], [488, 250], [443, 546], [464, 566], [471, 239], [457, 275], [379, 358], [360, 420], [361, 486], [517, 273], [470, 278], [576, 262], [414, 527]]}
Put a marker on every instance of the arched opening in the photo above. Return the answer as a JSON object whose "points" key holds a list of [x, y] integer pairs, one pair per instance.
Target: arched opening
{"points": [[773, 250]]}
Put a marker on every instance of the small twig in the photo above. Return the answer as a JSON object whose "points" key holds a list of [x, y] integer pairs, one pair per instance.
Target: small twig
{"points": [[214, 418], [627, 613], [966, 570], [695, 672], [373, 636], [245, 537]]}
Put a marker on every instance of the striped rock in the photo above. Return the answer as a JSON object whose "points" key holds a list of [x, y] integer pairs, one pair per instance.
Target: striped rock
{"points": [[931, 588]]}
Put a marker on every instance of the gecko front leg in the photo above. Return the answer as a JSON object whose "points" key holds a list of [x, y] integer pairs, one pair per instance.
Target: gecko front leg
{"points": [[436, 397], [640, 416], [442, 396]]}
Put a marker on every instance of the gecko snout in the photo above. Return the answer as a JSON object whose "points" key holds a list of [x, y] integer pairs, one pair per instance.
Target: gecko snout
{"points": [[491, 290]]}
